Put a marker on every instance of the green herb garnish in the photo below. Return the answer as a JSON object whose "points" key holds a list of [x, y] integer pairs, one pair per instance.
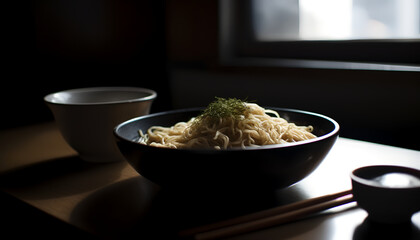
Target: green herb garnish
{"points": [[224, 108]]}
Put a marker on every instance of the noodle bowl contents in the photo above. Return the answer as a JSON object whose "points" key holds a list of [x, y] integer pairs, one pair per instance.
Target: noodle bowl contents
{"points": [[228, 123]]}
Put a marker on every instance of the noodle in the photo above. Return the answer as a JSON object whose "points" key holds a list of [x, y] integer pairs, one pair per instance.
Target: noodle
{"points": [[255, 127]]}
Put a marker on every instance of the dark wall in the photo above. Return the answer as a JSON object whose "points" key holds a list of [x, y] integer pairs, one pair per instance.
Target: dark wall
{"points": [[55, 45]]}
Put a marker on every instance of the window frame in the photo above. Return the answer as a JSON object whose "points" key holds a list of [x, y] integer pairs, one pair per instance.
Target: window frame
{"points": [[238, 46]]}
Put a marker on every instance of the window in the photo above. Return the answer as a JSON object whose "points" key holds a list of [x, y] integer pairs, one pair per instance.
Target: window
{"points": [[275, 20], [374, 31]]}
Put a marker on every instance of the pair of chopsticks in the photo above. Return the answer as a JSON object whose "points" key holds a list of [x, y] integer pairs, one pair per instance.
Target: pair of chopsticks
{"points": [[268, 218]]}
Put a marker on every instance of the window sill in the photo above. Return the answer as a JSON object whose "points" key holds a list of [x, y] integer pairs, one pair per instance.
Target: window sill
{"points": [[316, 64]]}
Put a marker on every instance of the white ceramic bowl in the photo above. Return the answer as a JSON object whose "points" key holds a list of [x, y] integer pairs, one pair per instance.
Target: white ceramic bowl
{"points": [[86, 117]]}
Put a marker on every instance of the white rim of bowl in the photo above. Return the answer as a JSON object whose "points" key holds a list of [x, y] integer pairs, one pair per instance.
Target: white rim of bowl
{"points": [[151, 95]]}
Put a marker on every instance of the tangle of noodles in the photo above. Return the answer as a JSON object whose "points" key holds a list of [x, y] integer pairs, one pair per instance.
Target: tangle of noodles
{"points": [[254, 128]]}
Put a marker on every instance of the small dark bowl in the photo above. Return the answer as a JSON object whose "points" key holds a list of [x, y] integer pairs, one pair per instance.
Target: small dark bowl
{"points": [[270, 166], [389, 203]]}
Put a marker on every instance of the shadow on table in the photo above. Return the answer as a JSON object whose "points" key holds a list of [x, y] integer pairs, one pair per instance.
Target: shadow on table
{"points": [[137, 207], [66, 176], [373, 230], [117, 210]]}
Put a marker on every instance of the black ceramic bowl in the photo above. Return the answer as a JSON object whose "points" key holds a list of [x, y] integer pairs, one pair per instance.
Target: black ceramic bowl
{"points": [[390, 194], [270, 166]]}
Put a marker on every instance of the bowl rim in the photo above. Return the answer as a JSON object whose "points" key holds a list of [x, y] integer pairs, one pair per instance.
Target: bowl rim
{"points": [[151, 95], [334, 132], [373, 184]]}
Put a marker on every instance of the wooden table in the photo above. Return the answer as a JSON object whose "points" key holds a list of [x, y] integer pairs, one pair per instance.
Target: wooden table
{"points": [[48, 188]]}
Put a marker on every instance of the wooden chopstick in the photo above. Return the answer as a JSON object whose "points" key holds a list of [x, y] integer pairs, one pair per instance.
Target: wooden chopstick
{"points": [[270, 217]]}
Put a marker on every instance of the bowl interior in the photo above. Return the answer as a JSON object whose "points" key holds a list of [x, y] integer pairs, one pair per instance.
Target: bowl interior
{"points": [[323, 126], [100, 95], [387, 176]]}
